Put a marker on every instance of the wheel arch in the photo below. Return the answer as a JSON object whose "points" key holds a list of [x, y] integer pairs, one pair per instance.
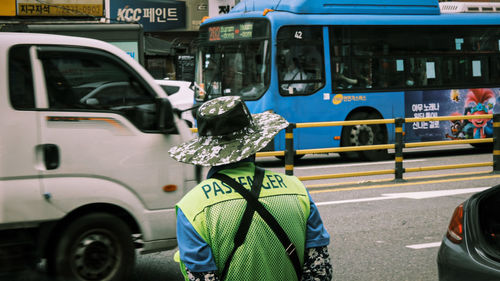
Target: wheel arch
{"points": [[52, 231], [367, 109]]}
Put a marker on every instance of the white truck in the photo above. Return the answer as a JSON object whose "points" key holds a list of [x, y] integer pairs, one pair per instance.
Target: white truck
{"points": [[85, 180]]}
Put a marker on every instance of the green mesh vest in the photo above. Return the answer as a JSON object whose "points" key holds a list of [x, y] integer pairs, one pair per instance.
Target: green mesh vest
{"points": [[215, 210]]}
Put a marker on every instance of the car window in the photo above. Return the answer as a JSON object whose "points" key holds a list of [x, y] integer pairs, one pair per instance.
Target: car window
{"points": [[77, 81], [20, 78], [170, 90]]}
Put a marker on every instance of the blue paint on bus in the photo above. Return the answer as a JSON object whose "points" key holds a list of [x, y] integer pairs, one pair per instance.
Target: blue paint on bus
{"points": [[313, 61]]}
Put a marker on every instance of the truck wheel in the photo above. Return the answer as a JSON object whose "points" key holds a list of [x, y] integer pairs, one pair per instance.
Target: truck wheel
{"points": [[94, 247], [358, 135]]}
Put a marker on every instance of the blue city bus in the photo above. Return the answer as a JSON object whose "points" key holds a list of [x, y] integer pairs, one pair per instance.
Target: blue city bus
{"points": [[336, 60]]}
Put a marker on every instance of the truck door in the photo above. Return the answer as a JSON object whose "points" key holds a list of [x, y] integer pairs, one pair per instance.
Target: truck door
{"points": [[19, 168], [100, 133]]}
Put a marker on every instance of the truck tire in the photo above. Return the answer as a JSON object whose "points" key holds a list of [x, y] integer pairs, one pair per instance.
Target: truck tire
{"points": [[96, 246]]}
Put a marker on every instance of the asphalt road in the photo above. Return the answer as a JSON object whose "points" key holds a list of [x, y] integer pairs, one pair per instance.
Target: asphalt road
{"points": [[378, 233], [380, 229]]}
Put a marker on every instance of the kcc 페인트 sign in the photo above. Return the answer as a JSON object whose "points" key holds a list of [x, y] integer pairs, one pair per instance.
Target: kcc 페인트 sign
{"points": [[153, 15]]}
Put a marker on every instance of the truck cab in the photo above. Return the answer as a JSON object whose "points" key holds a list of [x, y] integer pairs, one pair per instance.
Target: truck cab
{"points": [[85, 177]]}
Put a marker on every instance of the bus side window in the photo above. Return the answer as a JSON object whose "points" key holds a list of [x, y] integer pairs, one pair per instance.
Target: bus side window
{"points": [[300, 60], [416, 76], [431, 68], [495, 70]]}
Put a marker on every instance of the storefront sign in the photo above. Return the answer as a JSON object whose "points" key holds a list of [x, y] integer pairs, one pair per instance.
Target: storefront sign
{"points": [[219, 7], [153, 15], [66, 8], [8, 8], [131, 48]]}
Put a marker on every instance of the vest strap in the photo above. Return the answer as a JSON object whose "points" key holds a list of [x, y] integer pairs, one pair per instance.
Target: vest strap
{"points": [[254, 205], [246, 220]]}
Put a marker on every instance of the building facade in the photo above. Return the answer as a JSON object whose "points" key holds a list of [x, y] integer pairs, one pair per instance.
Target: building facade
{"points": [[164, 44]]}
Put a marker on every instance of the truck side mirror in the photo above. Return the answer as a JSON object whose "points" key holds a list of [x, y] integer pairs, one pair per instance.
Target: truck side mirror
{"points": [[166, 123]]}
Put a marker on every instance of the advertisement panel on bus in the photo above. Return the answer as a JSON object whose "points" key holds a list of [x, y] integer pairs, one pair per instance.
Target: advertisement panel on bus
{"points": [[433, 103]]}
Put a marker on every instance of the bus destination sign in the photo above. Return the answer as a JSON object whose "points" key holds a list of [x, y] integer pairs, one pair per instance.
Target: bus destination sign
{"points": [[230, 32]]}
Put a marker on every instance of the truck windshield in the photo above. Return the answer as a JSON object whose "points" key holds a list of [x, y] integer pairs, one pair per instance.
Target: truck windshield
{"points": [[233, 59]]}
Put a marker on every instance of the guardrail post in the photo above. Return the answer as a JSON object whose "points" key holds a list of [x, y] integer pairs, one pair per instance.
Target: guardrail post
{"points": [[289, 150], [399, 170], [496, 143]]}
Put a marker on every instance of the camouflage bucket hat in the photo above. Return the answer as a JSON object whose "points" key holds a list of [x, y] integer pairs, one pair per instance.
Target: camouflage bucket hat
{"points": [[227, 133]]}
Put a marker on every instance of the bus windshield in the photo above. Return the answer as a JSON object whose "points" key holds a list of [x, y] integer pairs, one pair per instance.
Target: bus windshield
{"points": [[233, 59]]}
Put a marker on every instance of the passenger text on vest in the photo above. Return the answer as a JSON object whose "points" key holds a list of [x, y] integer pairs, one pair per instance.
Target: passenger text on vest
{"points": [[216, 188]]}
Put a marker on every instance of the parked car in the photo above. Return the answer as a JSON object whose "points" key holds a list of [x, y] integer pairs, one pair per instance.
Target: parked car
{"points": [[181, 96], [470, 249]]}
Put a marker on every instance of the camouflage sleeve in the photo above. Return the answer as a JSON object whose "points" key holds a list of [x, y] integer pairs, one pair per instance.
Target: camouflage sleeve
{"points": [[202, 276], [317, 265]]}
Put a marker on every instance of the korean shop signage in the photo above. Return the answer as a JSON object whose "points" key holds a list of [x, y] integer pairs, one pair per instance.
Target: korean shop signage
{"points": [[8, 8], [63, 8], [153, 15], [219, 7]]}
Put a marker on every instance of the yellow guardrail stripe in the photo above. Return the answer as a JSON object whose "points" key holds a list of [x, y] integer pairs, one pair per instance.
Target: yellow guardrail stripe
{"points": [[344, 123], [435, 143], [344, 149], [445, 118], [398, 159], [446, 167], [288, 167], [270, 153], [289, 135], [346, 175], [392, 171], [399, 129], [400, 184], [341, 184], [496, 152], [496, 124]]}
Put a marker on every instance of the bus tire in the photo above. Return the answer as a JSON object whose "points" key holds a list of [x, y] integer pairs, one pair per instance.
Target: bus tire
{"points": [[359, 135], [380, 137], [96, 246]]}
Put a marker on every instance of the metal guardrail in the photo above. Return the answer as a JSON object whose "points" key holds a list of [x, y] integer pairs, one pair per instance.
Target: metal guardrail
{"points": [[289, 153]]}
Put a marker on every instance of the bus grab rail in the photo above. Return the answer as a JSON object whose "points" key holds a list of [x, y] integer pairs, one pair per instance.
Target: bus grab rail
{"points": [[289, 153]]}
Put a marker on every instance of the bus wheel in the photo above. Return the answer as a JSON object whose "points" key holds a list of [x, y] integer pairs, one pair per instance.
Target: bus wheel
{"points": [[359, 135], [94, 247]]}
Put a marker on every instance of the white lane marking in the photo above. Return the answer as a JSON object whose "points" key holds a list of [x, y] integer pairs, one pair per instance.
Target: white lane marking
{"points": [[354, 165], [353, 201], [408, 195], [424, 246], [436, 193]]}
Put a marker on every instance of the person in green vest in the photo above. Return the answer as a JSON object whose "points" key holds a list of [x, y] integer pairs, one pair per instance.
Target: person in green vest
{"points": [[242, 222]]}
